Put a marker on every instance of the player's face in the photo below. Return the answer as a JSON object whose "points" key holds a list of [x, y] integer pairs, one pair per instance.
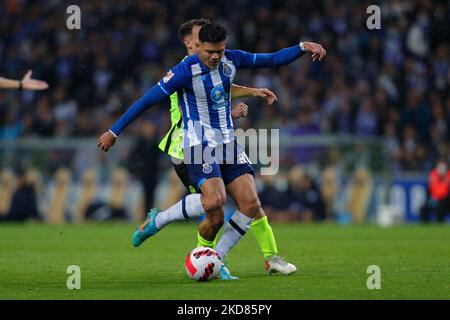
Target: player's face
{"points": [[211, 53]]}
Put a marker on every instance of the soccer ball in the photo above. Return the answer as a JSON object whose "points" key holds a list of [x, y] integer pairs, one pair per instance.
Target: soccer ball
{"points": [[203, 264]]}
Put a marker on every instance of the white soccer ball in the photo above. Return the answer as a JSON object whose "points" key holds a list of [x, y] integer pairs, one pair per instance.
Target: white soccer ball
{"points": [[203, 264]]}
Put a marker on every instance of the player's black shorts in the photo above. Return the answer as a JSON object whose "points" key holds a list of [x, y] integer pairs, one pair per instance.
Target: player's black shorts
{"points": [[182, 173]]}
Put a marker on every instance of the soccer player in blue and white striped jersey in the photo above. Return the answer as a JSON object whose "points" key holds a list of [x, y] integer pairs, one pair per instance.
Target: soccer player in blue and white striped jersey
{"points": [[203, 83]]}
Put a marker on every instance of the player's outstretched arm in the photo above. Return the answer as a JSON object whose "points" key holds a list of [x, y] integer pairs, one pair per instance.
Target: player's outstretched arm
{"points": [[238, 91], [151, 97], [246, 60], [27, 83], [173, 80]]}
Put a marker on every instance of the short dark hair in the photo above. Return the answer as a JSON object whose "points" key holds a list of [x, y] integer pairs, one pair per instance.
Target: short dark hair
{"points": [[186, 28], [212, 32]]}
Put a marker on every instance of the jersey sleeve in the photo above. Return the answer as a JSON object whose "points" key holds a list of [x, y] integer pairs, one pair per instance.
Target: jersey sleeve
{"points": [[151, 97], [247, 60], [175, 79]]}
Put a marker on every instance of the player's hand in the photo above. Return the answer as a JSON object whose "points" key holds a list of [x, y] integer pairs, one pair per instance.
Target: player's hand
{"points": [[266, 94], [239, 111], [32, 84], [106, 141], [318, 52]]}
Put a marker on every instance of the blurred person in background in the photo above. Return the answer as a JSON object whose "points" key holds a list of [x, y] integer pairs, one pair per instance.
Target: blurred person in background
{"points": [[412, 152], [274, 201], [359, 192], [7, 182], [438, 200], [43, 119], [329, 189], [59, 199], [304, 126], [305, 200], [144, 161], [27, 83], [24, 204]]}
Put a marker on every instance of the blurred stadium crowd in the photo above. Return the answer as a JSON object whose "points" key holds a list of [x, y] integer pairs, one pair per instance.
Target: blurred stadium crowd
{"points": [[391, 83]]}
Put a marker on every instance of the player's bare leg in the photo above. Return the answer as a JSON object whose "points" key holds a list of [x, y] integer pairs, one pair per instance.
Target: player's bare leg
{"points": [[213, 199], [243, 190], [240, 222]]}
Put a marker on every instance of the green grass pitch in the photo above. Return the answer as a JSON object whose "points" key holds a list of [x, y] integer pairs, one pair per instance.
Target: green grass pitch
{"points": [[332, 261]]}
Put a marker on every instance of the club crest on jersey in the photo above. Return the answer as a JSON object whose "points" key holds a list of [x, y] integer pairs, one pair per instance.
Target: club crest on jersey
{"points": [[207, 169], [218, 94], [227, 71], [169, 75]]}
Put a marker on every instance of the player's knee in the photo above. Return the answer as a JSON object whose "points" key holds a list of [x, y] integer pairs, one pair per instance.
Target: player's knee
{"points": [[215, 201], [251, 207]]}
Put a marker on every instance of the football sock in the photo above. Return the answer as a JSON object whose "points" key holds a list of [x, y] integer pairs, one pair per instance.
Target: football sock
{"points": [[188, 207], [233, 231], [202, 242], [263, 233]]}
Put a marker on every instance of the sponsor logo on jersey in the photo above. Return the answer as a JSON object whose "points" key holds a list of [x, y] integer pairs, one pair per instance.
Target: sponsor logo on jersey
{"points": [[219, 97], [169, 75], [227, 71]]}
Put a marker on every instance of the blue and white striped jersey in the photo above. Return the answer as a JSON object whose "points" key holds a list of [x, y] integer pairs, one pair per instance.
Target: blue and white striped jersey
{"points": [[205, 94], [205, 98]]}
